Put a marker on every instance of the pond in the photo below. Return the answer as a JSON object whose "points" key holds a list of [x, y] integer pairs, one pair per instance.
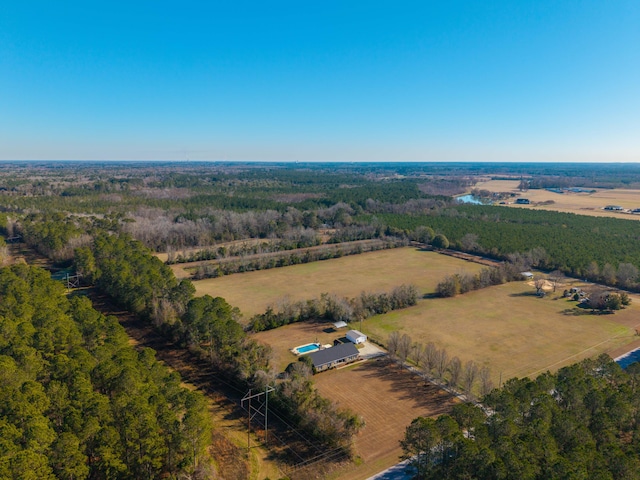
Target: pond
{"points": [[471, 199]]}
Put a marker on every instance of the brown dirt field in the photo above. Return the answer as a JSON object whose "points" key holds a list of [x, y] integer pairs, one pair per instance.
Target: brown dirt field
{"points": [[388, 399], [348, 276], [580, 203]]}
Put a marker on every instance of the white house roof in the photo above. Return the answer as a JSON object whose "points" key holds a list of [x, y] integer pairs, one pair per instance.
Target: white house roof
{"points": [[355, 334]]}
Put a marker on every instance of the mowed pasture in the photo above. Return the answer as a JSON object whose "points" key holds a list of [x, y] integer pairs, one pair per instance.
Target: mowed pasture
{"points": [[378, 271], [580, 203], [510, 330]]}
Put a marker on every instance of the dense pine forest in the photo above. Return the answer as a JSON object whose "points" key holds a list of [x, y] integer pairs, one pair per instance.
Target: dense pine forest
{"points": [[77, 401]]}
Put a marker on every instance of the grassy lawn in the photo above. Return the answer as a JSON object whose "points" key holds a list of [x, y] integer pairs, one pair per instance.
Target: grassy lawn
{"points": [[509, 330], [377, 271]]}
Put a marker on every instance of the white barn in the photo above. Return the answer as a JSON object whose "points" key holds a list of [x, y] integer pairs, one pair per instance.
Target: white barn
{"points": [[356, 337]]}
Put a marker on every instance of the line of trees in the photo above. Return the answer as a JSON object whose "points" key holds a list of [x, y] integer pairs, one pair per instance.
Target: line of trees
{"points": [[436, 363], [458, 283], [268, 261], [330, 307]]}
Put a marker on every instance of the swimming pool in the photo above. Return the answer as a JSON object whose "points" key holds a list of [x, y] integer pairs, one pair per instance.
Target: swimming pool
{"points": [[308, 348], [629, 358]]}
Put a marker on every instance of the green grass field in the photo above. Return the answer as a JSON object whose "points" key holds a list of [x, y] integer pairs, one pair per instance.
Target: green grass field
{"points": [[377, 271], [510, 330]]}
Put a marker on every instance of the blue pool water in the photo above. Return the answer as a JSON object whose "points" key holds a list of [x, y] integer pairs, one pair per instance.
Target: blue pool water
{"points": [[308, 348], [629, 358]]}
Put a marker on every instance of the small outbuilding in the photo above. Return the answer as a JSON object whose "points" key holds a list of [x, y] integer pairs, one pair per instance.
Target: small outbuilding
{"points": [[333, 357], [339, 324], [527, 275], [356, 337], [523, 201]]}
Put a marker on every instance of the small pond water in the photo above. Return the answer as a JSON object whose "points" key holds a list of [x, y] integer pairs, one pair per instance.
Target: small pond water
{"points": [[470, 199]]}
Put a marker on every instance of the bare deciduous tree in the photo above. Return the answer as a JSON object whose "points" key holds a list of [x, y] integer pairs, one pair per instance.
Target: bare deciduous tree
{"points": [[404, 347], [442, 362], [430, 353], [392, 344], [486, 385], [555, 277], [417, 353], [627, 274], [455, 368], [469, 376]]}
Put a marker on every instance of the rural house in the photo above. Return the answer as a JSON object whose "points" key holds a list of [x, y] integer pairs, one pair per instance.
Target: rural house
{"points": [[334, 356]]}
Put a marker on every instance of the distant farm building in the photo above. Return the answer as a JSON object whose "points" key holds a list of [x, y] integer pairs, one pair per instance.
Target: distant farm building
{"points": [[333, 357], [523, 201], [527, 275], [339, 324], [616, 208], [356, 337]]}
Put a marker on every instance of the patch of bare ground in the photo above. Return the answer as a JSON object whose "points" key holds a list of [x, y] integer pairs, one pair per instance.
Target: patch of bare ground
{"points": [[388, 398], [21, 253]]}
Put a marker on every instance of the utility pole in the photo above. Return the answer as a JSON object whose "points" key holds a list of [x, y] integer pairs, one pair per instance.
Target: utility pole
{"points": [[261, 410]]}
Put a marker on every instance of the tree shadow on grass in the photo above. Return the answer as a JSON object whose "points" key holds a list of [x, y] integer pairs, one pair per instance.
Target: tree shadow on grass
{"points": [[409, 386]]}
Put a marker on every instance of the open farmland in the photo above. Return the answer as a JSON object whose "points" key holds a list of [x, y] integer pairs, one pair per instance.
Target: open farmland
{"points": [[377, 271], [580, 203], [388, 399], [510, 330]]}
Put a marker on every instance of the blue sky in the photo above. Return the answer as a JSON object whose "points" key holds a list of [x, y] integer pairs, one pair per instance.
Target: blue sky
{"points": [[342, 80]]}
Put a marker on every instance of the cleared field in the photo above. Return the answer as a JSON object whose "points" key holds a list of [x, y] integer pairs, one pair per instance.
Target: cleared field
{"points": [[581, 203], [510, 330], [377, 271], [388, 399]]}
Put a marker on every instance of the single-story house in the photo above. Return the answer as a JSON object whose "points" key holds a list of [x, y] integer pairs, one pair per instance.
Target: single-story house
{"points": [[334, 356], [356, 337]]}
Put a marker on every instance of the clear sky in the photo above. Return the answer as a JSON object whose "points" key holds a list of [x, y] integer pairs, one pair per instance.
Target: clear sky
{"points": [[446, 80]]}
